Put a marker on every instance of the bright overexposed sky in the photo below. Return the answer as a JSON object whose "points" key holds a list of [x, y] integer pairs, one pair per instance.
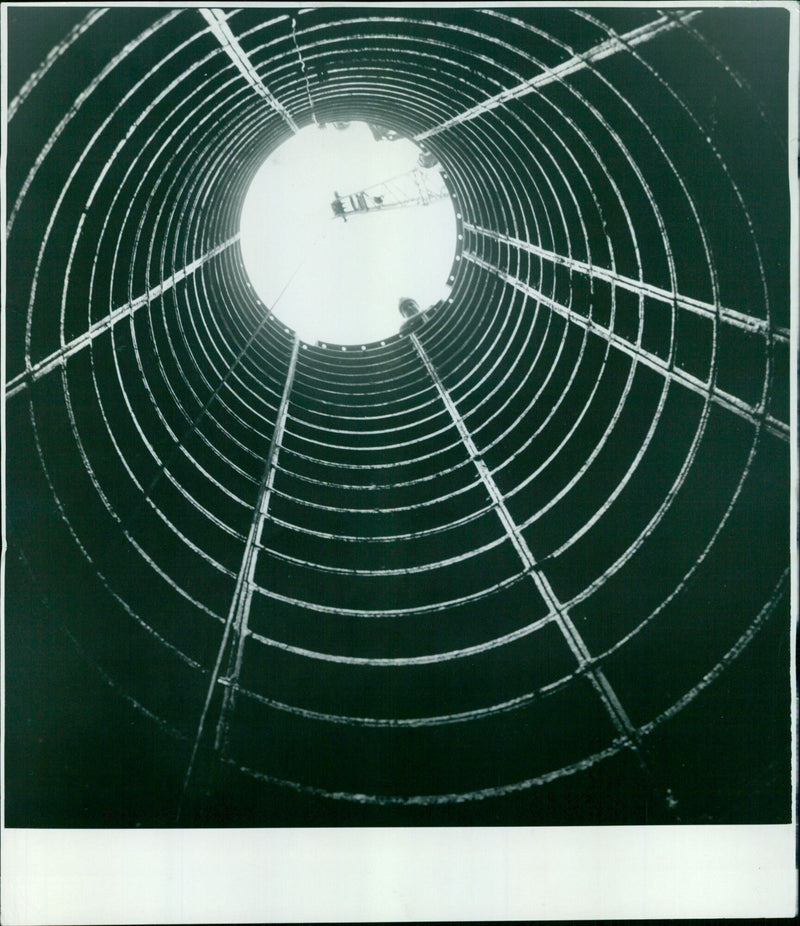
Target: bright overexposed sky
{"points": [[335, 281]]}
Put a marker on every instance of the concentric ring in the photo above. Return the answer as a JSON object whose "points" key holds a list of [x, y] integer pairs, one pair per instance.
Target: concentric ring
{"points": [[496, 555]]}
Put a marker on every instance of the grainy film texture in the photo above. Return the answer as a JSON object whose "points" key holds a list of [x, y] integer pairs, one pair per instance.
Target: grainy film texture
{"points": [[523, 561]]}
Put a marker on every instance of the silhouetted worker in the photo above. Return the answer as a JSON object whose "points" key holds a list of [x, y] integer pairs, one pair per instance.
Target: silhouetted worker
{"points": [[338, 208], [409, 309]]}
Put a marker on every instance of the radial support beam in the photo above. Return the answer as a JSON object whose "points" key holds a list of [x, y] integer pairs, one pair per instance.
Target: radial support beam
{"points": [[231, 650], [59, 358], [242, 599], [730, 402], [610, 46], [613, 706], [640, 288], [217, 22]]}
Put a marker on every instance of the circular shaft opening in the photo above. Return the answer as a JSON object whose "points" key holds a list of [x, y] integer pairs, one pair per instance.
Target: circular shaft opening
{"points": [[342, 222]]}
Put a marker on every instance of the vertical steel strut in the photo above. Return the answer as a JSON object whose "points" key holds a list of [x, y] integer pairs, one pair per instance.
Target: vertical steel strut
{"points": [[231, 649], [611, 702]]}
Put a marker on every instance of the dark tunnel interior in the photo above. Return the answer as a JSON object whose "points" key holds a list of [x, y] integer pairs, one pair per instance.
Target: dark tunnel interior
{"points": [[527, 563]]}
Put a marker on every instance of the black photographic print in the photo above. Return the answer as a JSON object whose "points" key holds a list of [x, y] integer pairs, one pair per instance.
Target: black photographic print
{"points": [[399, 413]]}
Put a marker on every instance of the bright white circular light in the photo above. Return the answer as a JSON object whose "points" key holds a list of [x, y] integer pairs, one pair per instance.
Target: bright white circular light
{"points": [[338, 281]]}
